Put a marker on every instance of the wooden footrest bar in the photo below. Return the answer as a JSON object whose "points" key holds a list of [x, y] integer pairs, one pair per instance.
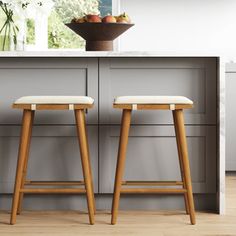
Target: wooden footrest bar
{"points": [[153, 190], [53, 190], [54, 183], [153, 183]]}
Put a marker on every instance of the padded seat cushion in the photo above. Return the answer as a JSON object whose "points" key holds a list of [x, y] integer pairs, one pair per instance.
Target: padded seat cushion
{"points": [[152, 100], [55, 100]]}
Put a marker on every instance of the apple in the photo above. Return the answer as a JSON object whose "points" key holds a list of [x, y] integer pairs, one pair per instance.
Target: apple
{"points": [[109, 19], [92, 18], [123, 18]]}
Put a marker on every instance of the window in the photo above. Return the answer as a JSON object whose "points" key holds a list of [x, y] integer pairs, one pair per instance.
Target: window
{"points": [[59, 36], [51, 32]]}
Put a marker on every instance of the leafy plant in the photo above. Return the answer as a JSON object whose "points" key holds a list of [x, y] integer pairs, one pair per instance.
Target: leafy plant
{"points": [[68, 9], [8, 26], [30, 31], [59, 35]]}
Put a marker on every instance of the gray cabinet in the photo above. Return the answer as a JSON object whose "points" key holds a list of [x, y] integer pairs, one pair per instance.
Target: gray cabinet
{"points": [[194, 78], [55, 150], [230, 117], [54, 154], [152, 152], [47, 76], [152, 155]]}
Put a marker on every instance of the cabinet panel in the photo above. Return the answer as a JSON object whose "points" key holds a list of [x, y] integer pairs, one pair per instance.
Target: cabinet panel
{"points": [[45, 76], [191, 77], [230, 121], [152, 155], [54, 155]]}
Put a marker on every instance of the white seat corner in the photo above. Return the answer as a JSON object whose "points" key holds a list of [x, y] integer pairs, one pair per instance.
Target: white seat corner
{"points": [[55, 100], [152, 100]]}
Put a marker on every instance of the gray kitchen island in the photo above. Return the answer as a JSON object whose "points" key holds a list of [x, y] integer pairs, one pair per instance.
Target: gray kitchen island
{"points": [[152, 151]]}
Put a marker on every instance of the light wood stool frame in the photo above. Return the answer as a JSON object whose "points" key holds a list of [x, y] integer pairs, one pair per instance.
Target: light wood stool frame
{"points": [[186, 183], [23, 156]]}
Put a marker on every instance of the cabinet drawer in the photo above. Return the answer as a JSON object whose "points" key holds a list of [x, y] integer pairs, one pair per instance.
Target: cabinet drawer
{"points": [[152, 155], [194, 78], [54, 155], [45, 76]]}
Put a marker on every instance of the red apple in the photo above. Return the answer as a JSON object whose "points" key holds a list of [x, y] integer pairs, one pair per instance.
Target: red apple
{"points": [[123, 18], [109, 19], [92, 18]]}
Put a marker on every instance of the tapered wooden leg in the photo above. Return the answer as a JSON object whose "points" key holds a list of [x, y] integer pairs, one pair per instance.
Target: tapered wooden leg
{"points": [[185, 161], [80, 123], [90, 167], [181, 163], [124, 135], [25, 165], [22, 154]]}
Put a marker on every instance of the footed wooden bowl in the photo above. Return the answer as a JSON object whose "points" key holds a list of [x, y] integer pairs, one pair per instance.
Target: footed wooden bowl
{"points": [[99, 36]]}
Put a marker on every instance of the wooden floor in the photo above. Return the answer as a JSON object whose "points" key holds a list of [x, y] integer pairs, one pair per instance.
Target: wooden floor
{"points": [[129, 223]]}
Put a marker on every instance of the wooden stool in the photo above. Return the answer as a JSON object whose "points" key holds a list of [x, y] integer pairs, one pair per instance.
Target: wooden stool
{"points": [[29, 106], [176, 104]]}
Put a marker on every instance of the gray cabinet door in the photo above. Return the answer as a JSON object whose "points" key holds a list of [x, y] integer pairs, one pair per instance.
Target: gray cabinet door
{"points": [[230, 118], [54, 155], [47, 76], [194, 78], [152, 155]]}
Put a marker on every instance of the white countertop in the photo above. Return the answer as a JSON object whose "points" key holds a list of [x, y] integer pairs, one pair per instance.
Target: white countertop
{"points": [[77, 53]]}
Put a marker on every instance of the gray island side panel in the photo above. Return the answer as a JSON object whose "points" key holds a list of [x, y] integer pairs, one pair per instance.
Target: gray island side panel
{"points": [[230, 83]]}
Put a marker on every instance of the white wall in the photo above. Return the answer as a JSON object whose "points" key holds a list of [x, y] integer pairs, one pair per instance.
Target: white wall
{"points": [[181, 25]]}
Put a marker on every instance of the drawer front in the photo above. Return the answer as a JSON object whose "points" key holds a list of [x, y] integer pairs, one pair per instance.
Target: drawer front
{"points": [[152, 155], [54, 155], [45, 76], [193, 78]]}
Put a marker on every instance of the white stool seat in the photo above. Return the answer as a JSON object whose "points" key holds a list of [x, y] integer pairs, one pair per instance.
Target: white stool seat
{"points": [[152, 100], [55, 100]]}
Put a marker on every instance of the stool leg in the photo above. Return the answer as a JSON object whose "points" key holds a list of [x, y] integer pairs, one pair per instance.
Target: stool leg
{"points": [[124, 135], [22, 154], [80, 123], [25, 166], [90, 167], [181, 163], [184, 155]]}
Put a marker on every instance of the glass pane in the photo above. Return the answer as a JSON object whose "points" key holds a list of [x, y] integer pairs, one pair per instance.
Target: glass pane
{"points": [[105, 7], [59, 36]]}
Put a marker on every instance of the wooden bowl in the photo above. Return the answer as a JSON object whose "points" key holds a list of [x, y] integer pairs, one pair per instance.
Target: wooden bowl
{"points": [[99, 36]]}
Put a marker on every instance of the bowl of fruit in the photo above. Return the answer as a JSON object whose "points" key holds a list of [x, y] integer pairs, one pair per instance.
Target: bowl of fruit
{"points": [[98, 32]]}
